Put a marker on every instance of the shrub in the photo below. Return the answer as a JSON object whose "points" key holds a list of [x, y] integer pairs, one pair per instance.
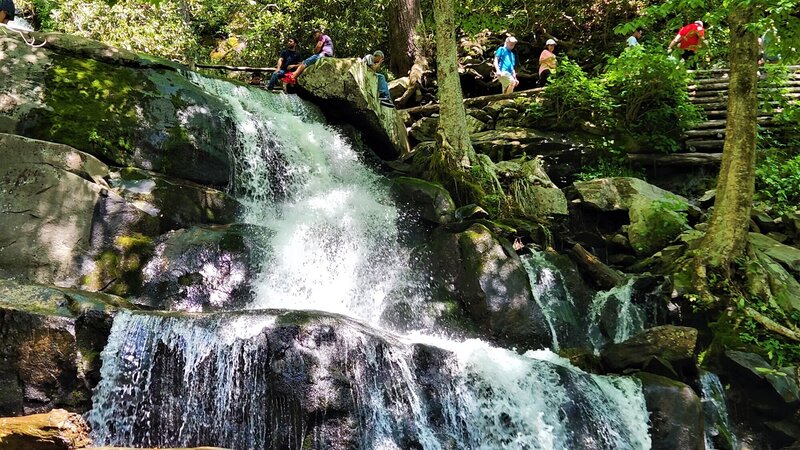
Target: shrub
{"points": [[651, 97], [574, 97], [778, 179]]}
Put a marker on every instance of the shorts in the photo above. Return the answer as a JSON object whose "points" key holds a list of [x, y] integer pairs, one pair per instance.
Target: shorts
{"points": [[506, 79]]}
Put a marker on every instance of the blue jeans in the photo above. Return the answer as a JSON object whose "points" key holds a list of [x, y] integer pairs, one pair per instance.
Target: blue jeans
{"points": [[383, 86], [312, 59], [275, 77]]}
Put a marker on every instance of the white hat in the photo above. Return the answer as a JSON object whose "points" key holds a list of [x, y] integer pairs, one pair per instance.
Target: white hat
{"points": [[699, 22], [511, 39], [550, 42]]}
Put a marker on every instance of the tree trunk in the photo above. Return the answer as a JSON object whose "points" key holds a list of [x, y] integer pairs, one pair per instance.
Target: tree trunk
{"points": [[451, 135], [405, 18], [727, 233]]}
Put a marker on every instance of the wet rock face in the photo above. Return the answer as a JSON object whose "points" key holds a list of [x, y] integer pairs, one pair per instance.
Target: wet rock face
{"points": [[676, 414], [771, 392], [50, 341], [122, 108], [431, 201], [489, 279], [56, 430]]}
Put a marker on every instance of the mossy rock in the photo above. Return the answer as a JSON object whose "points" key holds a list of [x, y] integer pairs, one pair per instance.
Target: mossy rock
{"points": [[654, 224], [673, 344], [676, 413], [123, 109]]}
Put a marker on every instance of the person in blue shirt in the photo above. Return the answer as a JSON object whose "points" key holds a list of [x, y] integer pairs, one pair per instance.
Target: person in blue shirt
{"points": [[633, 39], [504, 63], [289, 60], [7, 11]]}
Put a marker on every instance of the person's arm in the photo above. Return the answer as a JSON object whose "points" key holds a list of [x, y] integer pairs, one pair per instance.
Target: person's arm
{"points": [[375, 66], [280, 64], [318, 47], [3, 16], [674, 41], [496, 65]]}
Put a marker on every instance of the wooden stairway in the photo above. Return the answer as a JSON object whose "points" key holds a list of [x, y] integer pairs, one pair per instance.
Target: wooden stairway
{"points": [[710, 93]]}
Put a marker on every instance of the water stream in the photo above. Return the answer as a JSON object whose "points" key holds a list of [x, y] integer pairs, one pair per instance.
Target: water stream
{"points": [[280, 374]]}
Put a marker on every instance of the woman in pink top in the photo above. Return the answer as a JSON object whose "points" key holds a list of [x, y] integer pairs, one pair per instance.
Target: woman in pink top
{"points": [[547, 62]]}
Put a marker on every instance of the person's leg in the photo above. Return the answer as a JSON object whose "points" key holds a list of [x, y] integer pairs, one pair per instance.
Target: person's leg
{"points": [[383, 86], [543, 78], [505, 80], [274, 78]]}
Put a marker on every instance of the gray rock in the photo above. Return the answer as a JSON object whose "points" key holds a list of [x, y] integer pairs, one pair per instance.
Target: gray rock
{"points": [[424, 129], [654, 224], [784, 254], [676, 415], [618, 194]]}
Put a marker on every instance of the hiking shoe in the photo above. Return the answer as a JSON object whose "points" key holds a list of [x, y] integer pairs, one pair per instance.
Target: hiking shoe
{"points": [[387, 102]]}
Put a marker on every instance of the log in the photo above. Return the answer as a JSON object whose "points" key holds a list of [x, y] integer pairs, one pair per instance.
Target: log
{"points": [[56, 430], [603, 276], [236, 68], [675, 159], [771, 325], [705, 143], [474, 101]]}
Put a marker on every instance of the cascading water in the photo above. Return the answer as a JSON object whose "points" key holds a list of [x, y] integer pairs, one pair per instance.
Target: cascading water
{"points": [[613, 316], [279, 379], [719, 432]]}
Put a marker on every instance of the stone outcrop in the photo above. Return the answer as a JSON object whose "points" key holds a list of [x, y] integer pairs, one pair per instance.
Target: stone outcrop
{"points": [[772, 392], [348, 88], [123, 108], [50, 342]]}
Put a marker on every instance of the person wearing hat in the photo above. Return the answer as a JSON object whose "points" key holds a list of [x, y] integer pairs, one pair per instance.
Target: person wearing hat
{"points": [[689, 39], [504, 63], [374, 62], [7, 10], [547, 62]]}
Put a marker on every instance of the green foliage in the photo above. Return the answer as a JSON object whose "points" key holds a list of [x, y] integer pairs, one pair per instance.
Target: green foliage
{"points": [[651, 97], [777, 349], [575, 97], [778, 179]]}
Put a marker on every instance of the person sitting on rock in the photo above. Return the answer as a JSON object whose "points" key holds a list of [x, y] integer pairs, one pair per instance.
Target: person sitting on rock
{"points": [[7, 10], [633, 39], [289, 60], [547, 62], [374, 62], [504, 63], [323, 47]]}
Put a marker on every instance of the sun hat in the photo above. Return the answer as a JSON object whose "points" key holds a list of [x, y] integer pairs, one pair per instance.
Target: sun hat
{"points": [[550, 42], [511, 39], [699, 22], [378, 53]]}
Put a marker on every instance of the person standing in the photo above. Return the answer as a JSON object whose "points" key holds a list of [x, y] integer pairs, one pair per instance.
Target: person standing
{"points": [[322, 48], [289, 60], [689, 39], [504, 65], [374, 62], [547, 62], [7, 11], [633, 39]]}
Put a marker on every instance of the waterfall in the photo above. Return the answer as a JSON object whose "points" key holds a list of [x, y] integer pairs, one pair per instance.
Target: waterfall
{"points": [[280, 374], [719, 432]]}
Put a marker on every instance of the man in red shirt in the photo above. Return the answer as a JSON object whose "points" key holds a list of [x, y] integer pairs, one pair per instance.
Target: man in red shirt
{"points": [[689, 39]]}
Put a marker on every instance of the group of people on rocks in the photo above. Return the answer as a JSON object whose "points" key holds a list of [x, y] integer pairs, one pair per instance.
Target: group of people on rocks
{"points": [[291, 64], [688, 39]]}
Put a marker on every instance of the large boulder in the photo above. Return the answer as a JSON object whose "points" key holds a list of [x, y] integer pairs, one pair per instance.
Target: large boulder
{"points": [[347, 88], [769, 280], [618, 194], [671, 344], [787, 255], [50, 342], [769, 391], [59, 216], [485, 274], [123, 108], [676, 415], [533, 194]]}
